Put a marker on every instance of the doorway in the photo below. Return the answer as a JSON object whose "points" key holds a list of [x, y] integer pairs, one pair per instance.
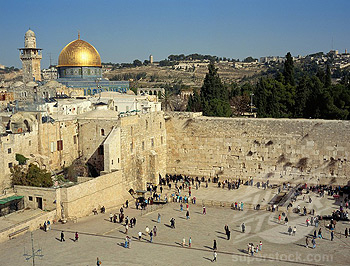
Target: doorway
{"points": [[39, 202]]}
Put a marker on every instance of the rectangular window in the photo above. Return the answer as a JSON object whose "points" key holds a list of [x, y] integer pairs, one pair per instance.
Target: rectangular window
{"points": [[152, 142], [143, 145], [161, 140], [9, 150], [131, 147], [30, 198], [30, 143], [100, 150], [10, 165], [160, 125], [59, 145], [75, 139]]}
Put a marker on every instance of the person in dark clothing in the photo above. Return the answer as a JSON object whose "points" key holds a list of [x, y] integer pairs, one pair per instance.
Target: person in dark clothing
{"points": [[215, 245], [62, 236]]}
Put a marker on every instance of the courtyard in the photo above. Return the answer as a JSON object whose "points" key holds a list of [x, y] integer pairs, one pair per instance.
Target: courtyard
{"points": [[98, 237]]}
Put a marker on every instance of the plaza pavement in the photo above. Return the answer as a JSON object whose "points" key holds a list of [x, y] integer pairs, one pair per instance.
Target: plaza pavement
{"points": [[100, 238]]}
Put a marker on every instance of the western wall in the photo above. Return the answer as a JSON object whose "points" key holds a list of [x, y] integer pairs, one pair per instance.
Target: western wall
{"points": [[279, 150]]}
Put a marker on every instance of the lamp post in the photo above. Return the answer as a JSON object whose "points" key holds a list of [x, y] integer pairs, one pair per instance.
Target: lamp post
{"points": [[251, 102]]}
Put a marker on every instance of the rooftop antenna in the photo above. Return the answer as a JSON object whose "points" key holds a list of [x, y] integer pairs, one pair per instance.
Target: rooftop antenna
{"points": [[34, 253]]}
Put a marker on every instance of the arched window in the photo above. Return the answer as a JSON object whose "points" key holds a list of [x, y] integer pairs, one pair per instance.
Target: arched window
{"points": [[102, 132]]}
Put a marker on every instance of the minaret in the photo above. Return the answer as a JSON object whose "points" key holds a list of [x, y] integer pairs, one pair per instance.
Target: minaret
{"points": [[30, 57]]}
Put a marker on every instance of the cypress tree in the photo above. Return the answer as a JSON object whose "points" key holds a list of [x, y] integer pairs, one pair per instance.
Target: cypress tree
{"points": [[288, 71]]}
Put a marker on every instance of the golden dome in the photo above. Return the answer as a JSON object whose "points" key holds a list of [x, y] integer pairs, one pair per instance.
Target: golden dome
{"points": [[79, 53]]}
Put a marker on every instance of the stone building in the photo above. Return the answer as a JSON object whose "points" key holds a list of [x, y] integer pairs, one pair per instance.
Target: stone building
{"points": [[30, 57]]}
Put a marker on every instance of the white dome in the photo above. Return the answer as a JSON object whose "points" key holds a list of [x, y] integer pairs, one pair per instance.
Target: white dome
{"points": [[30, 33]]}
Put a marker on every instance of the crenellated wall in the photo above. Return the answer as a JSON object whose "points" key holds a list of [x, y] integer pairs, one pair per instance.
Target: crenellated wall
{"points": [[295, 150]]}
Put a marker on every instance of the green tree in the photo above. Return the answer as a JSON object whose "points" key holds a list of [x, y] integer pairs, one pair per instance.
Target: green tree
{"points": [[288, 71], [214, 95], [328, 77], [34, 176], [137, 63]]}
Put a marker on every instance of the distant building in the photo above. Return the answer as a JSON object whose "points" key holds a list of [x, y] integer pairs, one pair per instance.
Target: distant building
{"points": [[151, 59]]}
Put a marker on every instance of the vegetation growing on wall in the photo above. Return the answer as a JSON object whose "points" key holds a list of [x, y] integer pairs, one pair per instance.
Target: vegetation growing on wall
{"points": [[31, 176]]}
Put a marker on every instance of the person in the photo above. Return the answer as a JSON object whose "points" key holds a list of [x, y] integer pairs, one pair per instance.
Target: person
{"points": [[243, 228], [332, 235], [307, 242], [290, 230], [147, 230], [181, 207], [187, 215], [286, 220], [260, 245], [294, 230], [62, 236], [320, 233], [204, 210], [346, 233], [98, 263], [111, 217], [155, 230], [103, 209], [95, 211], [183, 242], [140, 234], [129, 241], [127, 204], [315, 234], [48, 225], [190, 242], [76, 237], [279, 218], [159, 217], [126, 242], [151, 236], [126, 228], [228, 234], [313, 243], [215, 255], [45, 226], [215, 245]]}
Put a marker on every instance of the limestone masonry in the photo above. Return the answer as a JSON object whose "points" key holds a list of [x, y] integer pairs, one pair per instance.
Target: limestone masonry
{"points": [[295, 150]]}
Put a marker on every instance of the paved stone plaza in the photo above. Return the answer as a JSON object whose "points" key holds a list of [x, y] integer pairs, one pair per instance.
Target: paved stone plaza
{"points": [[100, 238]]}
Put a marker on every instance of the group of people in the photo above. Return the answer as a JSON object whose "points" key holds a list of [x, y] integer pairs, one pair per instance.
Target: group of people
{"points": [[252, 249]]}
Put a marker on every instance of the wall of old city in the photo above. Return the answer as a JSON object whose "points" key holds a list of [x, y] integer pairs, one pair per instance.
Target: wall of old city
{"points": [[107, 190], [295, 150], [143, 148], [58, 143]]}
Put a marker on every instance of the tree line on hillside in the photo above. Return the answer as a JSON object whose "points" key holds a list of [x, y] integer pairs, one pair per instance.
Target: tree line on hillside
{"points": [[282, 95]]}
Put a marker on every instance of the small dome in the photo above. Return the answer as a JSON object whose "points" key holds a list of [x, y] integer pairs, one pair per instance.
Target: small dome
{"points": [[30, 33], [53, 84], [18, 84], [31, 84], [130, 92]]}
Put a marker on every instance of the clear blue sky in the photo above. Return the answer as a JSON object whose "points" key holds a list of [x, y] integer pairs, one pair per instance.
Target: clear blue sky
{"points": [[133, 29]]}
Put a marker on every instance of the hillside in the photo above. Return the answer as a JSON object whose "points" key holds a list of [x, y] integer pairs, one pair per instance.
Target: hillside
{"points": [[155, 76]]}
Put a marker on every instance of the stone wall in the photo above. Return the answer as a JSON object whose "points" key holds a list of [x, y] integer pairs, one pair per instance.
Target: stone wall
{"points": [[32, 224], [295, 150], [49, 135], [22, 143], [143, 148], [108, 190], [48, 196]]}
